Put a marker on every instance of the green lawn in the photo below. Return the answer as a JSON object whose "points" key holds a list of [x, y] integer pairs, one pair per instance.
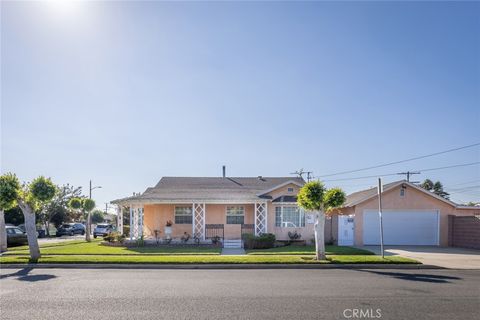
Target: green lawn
{"points": [[207, 259], [303, 250], [80, 247], [79, 251]]}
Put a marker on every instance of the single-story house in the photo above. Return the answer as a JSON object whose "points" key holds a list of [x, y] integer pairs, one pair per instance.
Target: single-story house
{"points": [[227, 207], [205, 207]]}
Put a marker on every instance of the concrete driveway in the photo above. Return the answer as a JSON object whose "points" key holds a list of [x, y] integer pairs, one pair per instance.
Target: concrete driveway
{"points": [[452, 258]]}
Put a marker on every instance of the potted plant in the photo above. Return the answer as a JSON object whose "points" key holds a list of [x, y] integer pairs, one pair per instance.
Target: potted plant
{"points": [[168, 229]]}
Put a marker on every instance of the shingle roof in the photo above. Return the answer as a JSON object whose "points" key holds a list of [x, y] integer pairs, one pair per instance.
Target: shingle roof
{"points": [[285, 199], [188, 189], [361, 195]]}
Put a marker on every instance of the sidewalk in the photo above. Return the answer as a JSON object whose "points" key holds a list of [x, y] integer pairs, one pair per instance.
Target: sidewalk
{"points": [[443, 257], [232, 252]]}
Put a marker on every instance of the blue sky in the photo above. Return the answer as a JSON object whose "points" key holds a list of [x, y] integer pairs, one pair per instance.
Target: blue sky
{"points": [[127, 92]]}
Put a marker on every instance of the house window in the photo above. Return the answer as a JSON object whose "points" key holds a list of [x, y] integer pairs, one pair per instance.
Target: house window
{"points": [[289, 217], [183, 215], [290, 190], [235, 215], [402, 192]]}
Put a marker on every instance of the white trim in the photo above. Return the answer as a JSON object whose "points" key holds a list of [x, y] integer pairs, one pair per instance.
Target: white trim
{"points": [[188, 201], [260, 217], [120, 219], [226, 213], [300, 212], [131, 220], [279, 186], [199, 213], [181, 206]]}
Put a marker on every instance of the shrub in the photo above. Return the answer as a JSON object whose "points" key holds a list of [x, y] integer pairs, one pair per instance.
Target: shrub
{"points": [[126, 231], [263, 241], [114, 237]]}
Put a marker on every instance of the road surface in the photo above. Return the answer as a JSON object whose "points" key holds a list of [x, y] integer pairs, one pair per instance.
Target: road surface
{"points": [[239, 294]]}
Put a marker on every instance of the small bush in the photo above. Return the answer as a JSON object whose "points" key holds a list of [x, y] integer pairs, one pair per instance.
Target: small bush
{"points": [[126, 231], [114, 237], [263, 241]]}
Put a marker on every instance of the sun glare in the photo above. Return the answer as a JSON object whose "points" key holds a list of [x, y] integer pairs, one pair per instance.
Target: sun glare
{"points": [[66, 7]]}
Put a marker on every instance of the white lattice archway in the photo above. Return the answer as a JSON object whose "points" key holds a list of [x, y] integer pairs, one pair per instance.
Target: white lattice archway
{"points": [[199, 220], [120, 219], [260, 218], [136, 222]]}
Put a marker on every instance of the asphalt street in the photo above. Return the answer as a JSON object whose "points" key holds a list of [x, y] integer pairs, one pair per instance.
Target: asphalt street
{"points": [[239, 294]]}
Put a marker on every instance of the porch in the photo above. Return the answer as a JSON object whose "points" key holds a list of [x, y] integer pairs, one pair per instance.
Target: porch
{"points": [[199, 222]]}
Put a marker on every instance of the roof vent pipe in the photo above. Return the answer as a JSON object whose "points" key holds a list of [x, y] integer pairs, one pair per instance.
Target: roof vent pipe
{"points": [[224, 171]]}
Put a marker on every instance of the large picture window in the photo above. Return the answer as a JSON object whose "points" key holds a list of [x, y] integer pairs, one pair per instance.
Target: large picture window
{"points": [[183, 215], [290, 216], [235, 215]]}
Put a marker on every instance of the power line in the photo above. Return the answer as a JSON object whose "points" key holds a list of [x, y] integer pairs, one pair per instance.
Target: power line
{"points": [[402, 161], [394, 174]]}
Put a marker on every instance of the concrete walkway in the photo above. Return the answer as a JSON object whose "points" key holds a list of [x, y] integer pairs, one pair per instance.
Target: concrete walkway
{"points": [[232, 252], [444, 257]]}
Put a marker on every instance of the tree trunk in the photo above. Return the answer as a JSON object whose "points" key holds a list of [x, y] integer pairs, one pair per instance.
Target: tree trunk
{"points": [[29, 215], [320, 235], [3, 233], [87, 229], [47, 228]]}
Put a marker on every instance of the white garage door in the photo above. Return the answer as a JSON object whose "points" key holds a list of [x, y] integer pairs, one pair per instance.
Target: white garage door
{"points": [[401, 227]]}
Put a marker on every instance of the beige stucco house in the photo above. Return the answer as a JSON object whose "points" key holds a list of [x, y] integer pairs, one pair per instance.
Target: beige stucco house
{"points": [[205, 207], [227, 207]]}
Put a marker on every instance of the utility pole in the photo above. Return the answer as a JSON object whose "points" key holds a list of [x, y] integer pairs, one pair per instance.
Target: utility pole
{"points": [[379, 191], [301, 172], [90, 189], [309, 176], [409, 173]]}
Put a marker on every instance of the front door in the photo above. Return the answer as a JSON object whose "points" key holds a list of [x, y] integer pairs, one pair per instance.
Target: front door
{"points": [[345, 230]]}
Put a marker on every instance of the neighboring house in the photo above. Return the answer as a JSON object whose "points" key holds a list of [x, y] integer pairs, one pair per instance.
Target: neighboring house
{"points": [[205, 207], [224, 206], [411, 216]]}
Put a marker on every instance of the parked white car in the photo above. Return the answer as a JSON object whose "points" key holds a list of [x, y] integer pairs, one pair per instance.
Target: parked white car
{"points": [[102, 230]]}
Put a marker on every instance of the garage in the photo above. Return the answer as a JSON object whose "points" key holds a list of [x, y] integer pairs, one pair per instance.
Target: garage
{"points": [[402, 227]]}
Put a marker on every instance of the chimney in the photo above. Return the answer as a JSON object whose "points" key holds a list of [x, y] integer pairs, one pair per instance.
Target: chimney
{"points": [[224, 171]]}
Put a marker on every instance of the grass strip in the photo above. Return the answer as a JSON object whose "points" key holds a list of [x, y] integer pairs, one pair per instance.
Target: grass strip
{"points": [[208, 259]]}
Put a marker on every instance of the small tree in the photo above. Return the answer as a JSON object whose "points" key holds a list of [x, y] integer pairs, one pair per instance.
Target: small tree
{"points": [[29, 198], [313, 196], [57, 212], [85, 206], [427, 185], [436, 188], [9, 189], [98, 216]]}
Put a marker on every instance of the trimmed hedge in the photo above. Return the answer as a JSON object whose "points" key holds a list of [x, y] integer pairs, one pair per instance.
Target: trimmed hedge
{"points": [[263, 241]]}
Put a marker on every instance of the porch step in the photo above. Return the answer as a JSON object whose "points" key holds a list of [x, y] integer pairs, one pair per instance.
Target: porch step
{"points": [[232, 244]]}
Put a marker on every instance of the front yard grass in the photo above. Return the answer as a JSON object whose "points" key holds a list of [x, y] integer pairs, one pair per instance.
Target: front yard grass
{"points": [[206, 259], [81, 252], [81, 247], [302, 250]]}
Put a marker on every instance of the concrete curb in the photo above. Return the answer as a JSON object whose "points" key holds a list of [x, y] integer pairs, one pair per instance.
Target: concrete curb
{"points": [[217, 266]]}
